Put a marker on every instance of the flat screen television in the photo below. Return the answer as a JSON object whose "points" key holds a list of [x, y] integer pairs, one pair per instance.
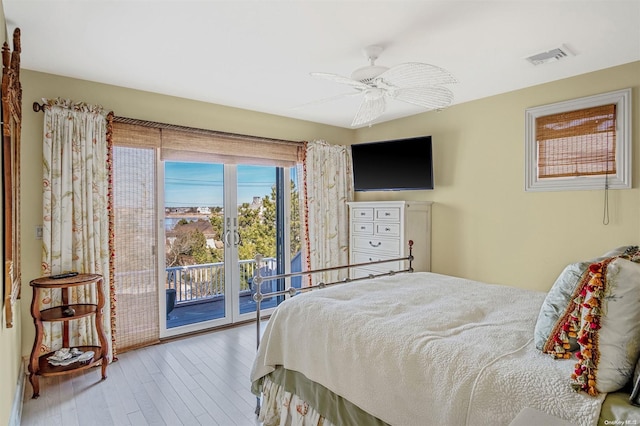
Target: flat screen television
{"points": [[393, 165]]}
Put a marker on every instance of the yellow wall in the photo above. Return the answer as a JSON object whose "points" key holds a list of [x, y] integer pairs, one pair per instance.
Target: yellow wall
{"points": [[485, 226]]}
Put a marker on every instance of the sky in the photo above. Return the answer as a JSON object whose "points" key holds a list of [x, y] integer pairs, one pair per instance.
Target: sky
{"points": [[201, 184]]}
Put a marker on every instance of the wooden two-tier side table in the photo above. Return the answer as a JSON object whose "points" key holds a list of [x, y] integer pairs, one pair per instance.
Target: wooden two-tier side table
{"points": [[39, 364]]}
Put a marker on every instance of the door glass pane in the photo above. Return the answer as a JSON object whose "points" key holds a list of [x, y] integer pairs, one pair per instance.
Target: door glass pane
{"points": [[194, 242], [257, 231], [269, 225], [294, 229]]}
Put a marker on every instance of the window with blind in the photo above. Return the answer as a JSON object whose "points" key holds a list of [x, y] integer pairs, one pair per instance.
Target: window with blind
{"points": [[579, 144]]}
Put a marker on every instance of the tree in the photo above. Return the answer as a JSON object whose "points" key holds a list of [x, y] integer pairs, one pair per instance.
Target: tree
{"points": [[294, 220], [199, 250], [188, 244], [257, 235], [181, 249]]}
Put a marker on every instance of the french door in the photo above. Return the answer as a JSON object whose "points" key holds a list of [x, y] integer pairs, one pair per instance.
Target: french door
{"points": [[191, 209], [217, 217]]}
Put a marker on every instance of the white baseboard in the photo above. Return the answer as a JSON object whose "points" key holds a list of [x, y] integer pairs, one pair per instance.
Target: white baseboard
{"points": [[16, 410]]}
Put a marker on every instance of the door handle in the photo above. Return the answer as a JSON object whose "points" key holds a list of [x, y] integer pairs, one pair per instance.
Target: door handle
{"points": [[236, 234], [227, 233]]}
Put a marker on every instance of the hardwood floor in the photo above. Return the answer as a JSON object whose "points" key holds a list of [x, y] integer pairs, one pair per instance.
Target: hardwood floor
{"points": [[197, 380]]}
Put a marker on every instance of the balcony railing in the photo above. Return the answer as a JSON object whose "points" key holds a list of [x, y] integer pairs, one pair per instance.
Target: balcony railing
{"points": [[198, 283]]}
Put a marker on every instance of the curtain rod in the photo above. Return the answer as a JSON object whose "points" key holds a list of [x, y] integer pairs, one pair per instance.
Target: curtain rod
{"points": [[117, 119]]}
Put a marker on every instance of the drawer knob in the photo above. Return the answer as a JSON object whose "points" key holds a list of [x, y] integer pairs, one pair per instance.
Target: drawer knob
{"points": [[387, 229], [375, 245], [387, 214], [362, 228]]}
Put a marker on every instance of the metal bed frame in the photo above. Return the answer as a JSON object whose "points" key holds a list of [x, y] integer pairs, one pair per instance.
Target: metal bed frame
{"points": [[292, 291]]}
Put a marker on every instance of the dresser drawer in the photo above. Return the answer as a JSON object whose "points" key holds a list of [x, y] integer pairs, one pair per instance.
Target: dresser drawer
{"points": [[381, 267], [362, 213], [362, 228], [388, 229], [375, 245], [390, 213]]}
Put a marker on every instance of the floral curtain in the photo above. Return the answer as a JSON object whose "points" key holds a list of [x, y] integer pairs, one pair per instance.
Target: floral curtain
{"points": [[76, 182], [328, 186]]}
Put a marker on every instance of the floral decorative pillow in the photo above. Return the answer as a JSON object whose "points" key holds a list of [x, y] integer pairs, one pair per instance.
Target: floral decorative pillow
{"points": [[559, 296], [605, 319]]}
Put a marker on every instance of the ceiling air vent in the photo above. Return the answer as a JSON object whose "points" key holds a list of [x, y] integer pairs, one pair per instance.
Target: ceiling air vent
{"points": [[552, 55]]}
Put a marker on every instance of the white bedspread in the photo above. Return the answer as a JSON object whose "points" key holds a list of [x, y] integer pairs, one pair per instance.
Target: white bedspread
{"points": [[425, 349]]}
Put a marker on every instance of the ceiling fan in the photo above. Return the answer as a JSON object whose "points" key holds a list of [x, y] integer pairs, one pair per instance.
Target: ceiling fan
{"points": [[412, 82]]}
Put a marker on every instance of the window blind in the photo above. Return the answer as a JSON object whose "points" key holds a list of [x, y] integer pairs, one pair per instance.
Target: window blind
{"points": [[178, 143], [136, 265], [577, 143]]}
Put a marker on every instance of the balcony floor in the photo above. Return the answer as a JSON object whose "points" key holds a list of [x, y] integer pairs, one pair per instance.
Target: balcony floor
{"points": [[206, 311]]}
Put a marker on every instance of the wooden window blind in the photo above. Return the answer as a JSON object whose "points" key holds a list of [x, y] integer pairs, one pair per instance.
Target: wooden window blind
{"points": [[179, 143], [577, 143], [136, 265]]}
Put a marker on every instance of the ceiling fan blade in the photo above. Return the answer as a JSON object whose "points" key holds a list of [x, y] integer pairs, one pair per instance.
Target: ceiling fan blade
{"points": [[371, 107], [340, 79], [414, 74], [432, 97]]}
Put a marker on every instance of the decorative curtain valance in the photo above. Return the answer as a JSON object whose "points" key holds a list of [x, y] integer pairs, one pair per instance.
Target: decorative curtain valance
{"points": [[180, 143]]}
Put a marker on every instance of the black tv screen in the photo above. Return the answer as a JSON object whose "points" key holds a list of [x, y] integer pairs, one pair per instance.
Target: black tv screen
{"points": [[394, 165]]}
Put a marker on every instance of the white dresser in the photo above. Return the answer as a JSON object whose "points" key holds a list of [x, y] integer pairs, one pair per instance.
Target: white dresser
{"points": [[382, 230]]}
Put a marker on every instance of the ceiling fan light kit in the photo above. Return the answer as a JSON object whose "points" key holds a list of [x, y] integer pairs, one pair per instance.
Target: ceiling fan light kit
{"points": [[368, 73], [415, 83]]}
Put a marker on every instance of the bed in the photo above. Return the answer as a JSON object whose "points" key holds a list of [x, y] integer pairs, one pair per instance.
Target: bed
{"points": [[421, 348]]}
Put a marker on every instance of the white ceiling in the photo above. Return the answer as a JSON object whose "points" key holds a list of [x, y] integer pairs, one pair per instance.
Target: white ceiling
{"points": [[257, 55]]}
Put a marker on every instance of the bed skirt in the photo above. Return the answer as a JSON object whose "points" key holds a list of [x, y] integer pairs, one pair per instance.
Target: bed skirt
{"points": [[290, 399], [283, 405]]}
